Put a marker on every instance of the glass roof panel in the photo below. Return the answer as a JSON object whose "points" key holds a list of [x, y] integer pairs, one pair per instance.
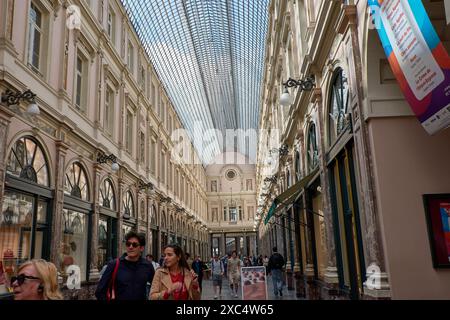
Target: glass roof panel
{"points": [[209, 55]]}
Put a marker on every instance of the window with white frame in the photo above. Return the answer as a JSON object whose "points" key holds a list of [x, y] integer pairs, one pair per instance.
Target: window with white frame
{"points": [[109, 111], [249, 185], [36, 37], [81, 80], [130, 56], [111, 25], [250, 213], [129, 132]]}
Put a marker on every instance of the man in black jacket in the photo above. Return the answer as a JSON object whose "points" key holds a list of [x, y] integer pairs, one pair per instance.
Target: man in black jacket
{"points": [[275, 267], [133, 272]]}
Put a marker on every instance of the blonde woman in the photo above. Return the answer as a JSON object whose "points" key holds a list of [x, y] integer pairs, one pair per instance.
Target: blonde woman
{"points": [[36, 280], [174, 281]]}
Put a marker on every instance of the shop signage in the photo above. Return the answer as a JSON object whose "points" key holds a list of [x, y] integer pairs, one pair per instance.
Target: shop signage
{"points": [[417, 57], [254, 283]]}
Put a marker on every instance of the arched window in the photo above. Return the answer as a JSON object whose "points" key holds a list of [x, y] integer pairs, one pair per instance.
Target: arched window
{"points": [[76, 184], [338, 105], [107, 198], [153, 216], [313, 152], [28, 162], [128, 206]]}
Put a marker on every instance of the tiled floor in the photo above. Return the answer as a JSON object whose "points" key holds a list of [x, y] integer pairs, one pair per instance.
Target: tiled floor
{"points": [[208, 291]]}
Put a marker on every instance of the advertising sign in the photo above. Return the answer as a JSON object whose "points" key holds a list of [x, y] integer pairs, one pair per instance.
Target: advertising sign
{"points": [[254, 283], [417, 57]]}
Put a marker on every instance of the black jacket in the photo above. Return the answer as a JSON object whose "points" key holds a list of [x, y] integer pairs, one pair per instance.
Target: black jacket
{"points": [[276, 261], [131, 279]]}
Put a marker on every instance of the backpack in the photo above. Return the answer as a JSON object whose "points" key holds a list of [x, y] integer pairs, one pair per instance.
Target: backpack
{"points": [[212, 265]]}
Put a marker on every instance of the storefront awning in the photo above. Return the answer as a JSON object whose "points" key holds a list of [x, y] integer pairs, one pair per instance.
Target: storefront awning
{"points": [[288, 196]]}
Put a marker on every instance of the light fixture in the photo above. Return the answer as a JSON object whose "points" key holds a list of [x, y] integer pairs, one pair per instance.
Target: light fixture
{"points": [[285, 99], [305, 85], [103, 158], [11, 98]]}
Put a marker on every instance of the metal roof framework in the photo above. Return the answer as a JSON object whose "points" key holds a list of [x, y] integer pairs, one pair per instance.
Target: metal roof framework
{"points": [[209, 55]]}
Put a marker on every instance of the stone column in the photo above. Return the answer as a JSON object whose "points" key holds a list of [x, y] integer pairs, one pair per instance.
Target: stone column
{"points": [[289, 266], [158, 220], [5, 120], [120, 234], [245, 253], [58, 201], [150, 239], [331, 276], [94, 272], [222, 244], [373, 245]]}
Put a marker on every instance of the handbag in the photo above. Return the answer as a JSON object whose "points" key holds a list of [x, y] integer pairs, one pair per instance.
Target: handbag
{"points": [[111, 292]]}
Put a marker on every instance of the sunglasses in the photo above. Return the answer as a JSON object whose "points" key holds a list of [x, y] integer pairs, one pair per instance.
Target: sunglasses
{"points": [[21, 279], [133, 244]]}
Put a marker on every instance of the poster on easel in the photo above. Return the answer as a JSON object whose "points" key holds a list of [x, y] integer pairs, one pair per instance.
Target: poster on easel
{"points": [[417, 57], [254, 283]]}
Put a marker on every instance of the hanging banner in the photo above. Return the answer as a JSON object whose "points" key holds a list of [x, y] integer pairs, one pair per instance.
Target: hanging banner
{"points": [[417, 57]]}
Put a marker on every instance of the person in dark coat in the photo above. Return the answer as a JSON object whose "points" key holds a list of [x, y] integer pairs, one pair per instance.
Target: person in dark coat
{"points": [[198, 266], [133, 273]]}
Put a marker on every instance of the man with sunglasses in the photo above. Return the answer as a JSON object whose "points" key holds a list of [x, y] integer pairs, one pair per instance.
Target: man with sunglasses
{"points": [[129, 281]]}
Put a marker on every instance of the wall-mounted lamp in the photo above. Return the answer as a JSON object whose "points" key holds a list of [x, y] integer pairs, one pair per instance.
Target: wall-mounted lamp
{"points": [[10, 98], [305, 85], [103, 158]]}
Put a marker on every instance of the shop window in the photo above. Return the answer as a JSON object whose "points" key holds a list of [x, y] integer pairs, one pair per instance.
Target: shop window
{"points": [[338, 105], [74, 242], [27, 161], [24, 230], [107, 198], [126, 229], [128, 206], [76, 183]]}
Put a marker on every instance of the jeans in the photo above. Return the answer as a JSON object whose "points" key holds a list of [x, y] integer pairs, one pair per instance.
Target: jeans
{"points": [[278, 282]]}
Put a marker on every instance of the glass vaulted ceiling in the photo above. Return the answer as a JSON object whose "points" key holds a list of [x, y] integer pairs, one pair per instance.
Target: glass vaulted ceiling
{"points": [[209, 55]]}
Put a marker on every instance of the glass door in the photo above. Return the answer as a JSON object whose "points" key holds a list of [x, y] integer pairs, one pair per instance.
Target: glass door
{"points": [[346, 218]]}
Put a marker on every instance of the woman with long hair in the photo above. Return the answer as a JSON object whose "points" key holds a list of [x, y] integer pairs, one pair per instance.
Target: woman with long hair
{"points": [[175, 280], [36, 279]]}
